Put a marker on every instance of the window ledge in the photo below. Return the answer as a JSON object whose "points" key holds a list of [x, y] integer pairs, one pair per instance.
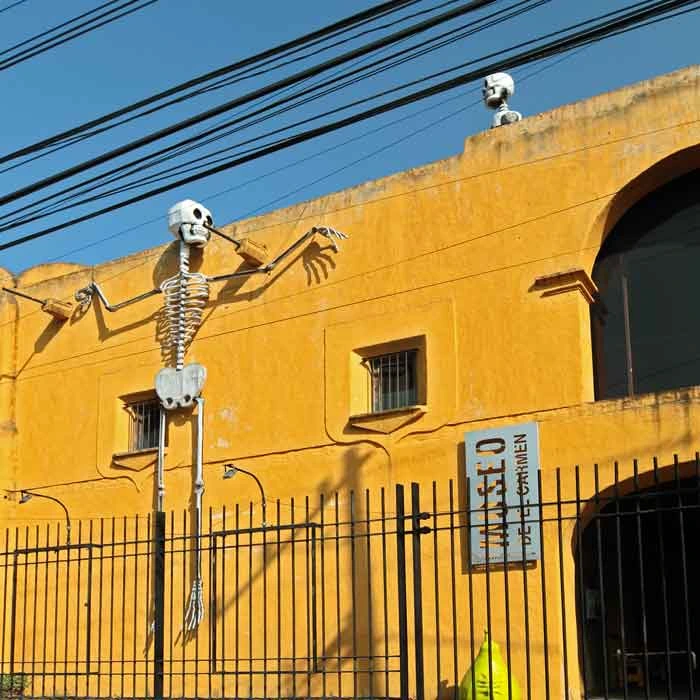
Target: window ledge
{"points": [[389, 420], [135, 453], [136, 460]]}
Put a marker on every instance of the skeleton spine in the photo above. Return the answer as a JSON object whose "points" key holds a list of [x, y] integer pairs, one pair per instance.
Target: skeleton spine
{"points": [[182, 310]]}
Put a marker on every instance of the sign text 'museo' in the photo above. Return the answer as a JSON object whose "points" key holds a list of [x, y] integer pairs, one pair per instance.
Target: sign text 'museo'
{"points": [[502, 465]]}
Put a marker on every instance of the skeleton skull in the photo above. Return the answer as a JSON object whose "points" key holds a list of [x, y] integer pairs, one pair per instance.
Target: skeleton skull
{"points": [[186, 221], [498, 88]]}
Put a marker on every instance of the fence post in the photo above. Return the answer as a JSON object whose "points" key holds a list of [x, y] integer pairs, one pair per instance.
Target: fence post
{"points": [[159, 605], [13, 617], [416, 532], [401, 578]]}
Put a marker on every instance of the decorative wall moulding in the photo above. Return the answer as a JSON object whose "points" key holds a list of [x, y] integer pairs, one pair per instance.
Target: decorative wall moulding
{"points": [[576, 280]]}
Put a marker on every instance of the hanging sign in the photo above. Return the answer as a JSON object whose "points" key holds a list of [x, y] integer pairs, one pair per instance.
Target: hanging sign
{"points": [[502, 465]]}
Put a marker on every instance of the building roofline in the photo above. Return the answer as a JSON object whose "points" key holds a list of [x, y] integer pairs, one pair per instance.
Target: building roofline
{"points": [[582, 112]]}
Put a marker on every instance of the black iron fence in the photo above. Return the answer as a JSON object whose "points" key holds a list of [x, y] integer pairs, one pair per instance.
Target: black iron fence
{"points": [[591, 591]]}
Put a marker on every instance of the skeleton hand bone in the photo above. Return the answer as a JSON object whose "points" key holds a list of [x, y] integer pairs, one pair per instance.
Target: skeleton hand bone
{"points": [[84, 295], [331, 234]]}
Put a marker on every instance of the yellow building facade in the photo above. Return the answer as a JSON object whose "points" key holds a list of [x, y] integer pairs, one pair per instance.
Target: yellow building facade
{"points": [[483, 264]]}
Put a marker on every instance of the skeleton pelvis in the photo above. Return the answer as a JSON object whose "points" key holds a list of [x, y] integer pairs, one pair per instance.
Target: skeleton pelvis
{"points": [[179, 388]]}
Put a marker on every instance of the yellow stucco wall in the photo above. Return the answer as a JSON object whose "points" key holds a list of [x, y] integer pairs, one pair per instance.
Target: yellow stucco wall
{"points": [[449, 252]]}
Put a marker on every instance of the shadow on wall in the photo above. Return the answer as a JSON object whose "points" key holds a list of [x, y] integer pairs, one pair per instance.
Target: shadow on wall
{"points": [[295, 610]]}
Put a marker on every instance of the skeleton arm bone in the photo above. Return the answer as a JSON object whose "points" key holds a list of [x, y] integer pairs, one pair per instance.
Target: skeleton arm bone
{"points": [[233, 275], [230, 239], [330, 233], [84, 297]]}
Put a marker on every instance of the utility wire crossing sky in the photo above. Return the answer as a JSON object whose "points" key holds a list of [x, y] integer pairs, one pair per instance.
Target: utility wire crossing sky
{"points": [[329, 99]]}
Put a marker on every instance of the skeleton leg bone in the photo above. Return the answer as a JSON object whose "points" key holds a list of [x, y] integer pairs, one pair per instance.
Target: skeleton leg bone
{"points": [[195, 608], [160, 485]]}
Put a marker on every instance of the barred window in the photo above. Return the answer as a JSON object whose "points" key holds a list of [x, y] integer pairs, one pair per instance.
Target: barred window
{"points": [[393, 380], [144, 424]]}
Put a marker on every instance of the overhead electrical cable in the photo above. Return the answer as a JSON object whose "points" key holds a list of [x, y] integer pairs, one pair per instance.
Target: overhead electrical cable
{"points": [[405, 137], [90, 183], [11, 224], [384, 93], [242, 75], [582, 38], [11, 5], [418, 28], [307, 95], [69, 34], [264, 68], [347, 22], [84, 134], [41, 35], [182, 146], [305, 159], [34, 45]]}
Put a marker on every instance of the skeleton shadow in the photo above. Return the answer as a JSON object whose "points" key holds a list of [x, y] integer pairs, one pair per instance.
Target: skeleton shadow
{"points": [[165, 267], [40, 344], [315, 262], [350, 639]]}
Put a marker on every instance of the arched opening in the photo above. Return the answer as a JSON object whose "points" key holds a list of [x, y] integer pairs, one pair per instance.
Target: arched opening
{"points": [[646, 331], [637, 580]]}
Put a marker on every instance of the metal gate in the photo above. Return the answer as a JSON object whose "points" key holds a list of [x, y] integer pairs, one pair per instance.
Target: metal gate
{"points": [[315, 604], [314, 607], [369, 596]]}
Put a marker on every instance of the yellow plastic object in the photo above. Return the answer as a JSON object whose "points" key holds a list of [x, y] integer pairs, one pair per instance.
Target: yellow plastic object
{"points": [[498, 682]]}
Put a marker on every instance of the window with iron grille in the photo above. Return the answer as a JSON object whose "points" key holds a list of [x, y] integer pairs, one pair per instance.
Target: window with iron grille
{"points": [[144, 424], [393, 380]]}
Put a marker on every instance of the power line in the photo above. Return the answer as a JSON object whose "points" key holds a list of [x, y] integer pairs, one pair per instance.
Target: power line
{"points": [[138, 164], [324, 151], [353, 20], [84, 135], [11, 5], [583, 38], [300, 161], [40, 35], [231, 80], [412, 30], [70, 34], [402, 139], [630, 17], [307, 95]]}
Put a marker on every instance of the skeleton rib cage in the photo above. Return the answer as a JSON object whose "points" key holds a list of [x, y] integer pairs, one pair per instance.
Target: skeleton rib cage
{"points": [[185, 297]]}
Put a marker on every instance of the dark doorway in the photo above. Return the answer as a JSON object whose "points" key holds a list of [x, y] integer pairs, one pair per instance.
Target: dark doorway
{"points": [[646, 332], [639, 594]]}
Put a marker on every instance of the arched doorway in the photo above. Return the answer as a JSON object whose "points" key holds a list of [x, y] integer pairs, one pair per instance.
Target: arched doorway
{"points": [[638, 593], [647, 337]]}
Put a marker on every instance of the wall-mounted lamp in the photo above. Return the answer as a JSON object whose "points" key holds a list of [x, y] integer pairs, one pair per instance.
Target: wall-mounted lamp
{"points": [[230, 470], [28, 495]]}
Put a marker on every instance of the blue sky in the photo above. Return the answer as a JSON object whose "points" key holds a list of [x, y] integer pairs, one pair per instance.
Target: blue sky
{"points": [[174, 40]]}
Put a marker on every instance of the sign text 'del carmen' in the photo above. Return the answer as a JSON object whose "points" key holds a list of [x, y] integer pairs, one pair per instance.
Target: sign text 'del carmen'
{"points": [[502, 465]]}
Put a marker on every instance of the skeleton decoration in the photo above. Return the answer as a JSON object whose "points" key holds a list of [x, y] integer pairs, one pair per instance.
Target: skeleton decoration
{"points": [[180, 386], [498, 88], [185, 296]]}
